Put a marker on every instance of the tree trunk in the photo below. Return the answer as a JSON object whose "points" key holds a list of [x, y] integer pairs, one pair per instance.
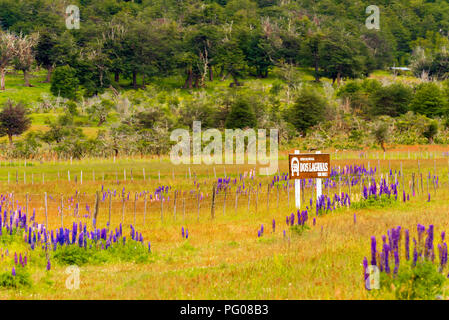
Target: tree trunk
{"points": [[10, 139], [143, 80], [338, 78], [188, 82], [236, 82], [2, 79], [135, 79], [317, 77], [197, 81], [211, 74], [116, 76], [26, 78], [49, 71], [382, 145]]}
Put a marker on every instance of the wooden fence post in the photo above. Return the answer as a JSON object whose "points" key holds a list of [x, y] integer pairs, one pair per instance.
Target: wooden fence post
{"points": [[123, 209], [144, 207], [46, 213], [174, 205], [224, 201], [198, 216], [62, 213], [212, 209], [135, 204], [26, 205], [162, 206], [268, 198], [110, 207], [97, 208]]}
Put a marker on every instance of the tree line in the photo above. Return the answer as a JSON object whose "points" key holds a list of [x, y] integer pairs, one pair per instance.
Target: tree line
{"points": [[206, 39]]}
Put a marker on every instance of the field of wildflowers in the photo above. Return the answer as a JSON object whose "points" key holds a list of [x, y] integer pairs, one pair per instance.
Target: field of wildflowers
{"points": [[145, 229]]}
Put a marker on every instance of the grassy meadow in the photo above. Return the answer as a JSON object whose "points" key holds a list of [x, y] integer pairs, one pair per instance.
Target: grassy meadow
{"points": [[223, 257]]}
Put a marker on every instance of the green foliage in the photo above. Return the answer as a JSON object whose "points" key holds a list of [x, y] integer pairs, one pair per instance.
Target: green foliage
{"points": [[21, 279], [422, 282], [431, 131], [299, 229], [429, 100], [381, 134], [72, 254], [382, 201], [242, 114], [392, 100], [309, 109], [64, 82]]}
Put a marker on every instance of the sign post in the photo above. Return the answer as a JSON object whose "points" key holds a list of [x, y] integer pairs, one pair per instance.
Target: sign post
{"points": [[308, 166], [319, 189], [297, 189]]}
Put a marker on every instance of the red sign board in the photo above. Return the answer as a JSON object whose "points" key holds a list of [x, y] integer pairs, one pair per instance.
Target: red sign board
{"points": [[309, 166]]}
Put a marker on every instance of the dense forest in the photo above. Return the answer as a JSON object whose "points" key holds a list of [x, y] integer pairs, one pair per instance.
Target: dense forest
{"points": [[113, 70]]}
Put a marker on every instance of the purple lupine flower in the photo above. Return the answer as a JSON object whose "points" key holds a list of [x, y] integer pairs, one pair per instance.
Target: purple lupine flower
{"points": [[182, 232], [373, 251], [258, 233], [261, 229], [284, 233], [386, 255], [415, 255], [273, 224], [187, 233], [443, 234], [314, 221], [428, 197], [355, 219], [365, 273], [13, 271], [48, 265], [396, 262], [407, 245], [429, 243], [149, 246]]}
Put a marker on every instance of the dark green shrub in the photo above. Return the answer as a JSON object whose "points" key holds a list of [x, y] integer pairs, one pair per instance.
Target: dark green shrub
{"points": [[242, 115], [428, 100], [308, 110], [420, 282], [64, 82], [21, 279]]}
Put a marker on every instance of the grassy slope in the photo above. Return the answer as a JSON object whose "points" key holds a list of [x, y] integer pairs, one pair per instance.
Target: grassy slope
{"points": [[33, 96], [223, 258]]}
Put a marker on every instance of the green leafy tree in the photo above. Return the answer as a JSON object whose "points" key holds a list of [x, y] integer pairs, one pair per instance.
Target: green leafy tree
{"points": [[429, 100], [431, 131], [392, 100], [308, 110], [45, 52], [242, 114], [381, 135], [101, 110], [64, 82]]}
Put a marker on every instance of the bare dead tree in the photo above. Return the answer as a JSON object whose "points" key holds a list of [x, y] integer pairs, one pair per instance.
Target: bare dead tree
{"points": [[24, 55], [7, 52]]}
